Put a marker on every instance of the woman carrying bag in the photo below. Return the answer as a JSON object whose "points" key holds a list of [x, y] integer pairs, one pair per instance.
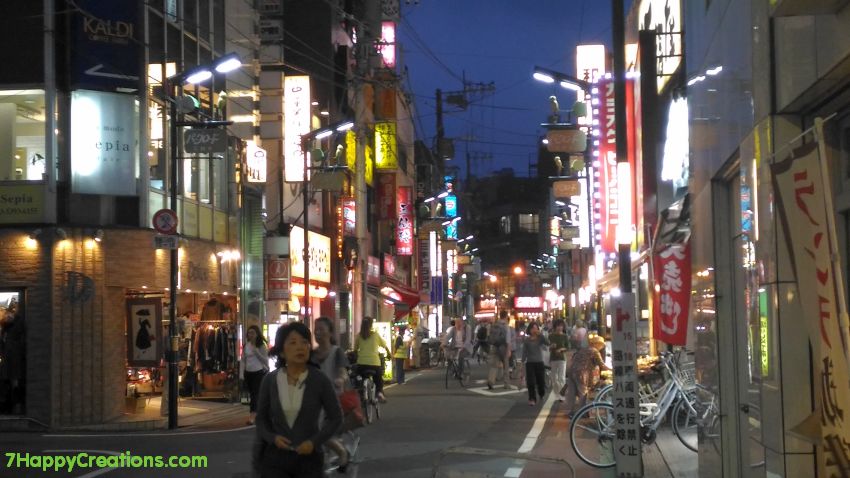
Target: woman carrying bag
{"points": [[254, 366]]}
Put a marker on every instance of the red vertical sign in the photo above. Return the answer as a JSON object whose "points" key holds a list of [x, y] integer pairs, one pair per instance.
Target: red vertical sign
{"points": [[386, 196], [672, 298], [607, 205], [404, 222]]}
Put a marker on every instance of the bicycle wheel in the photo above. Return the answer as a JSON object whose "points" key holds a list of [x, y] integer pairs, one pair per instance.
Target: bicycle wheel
{"points": [[377, 405], [369, 387], [466, 375], [450, 371], [685, 419], [592, 434], [604, 395]]}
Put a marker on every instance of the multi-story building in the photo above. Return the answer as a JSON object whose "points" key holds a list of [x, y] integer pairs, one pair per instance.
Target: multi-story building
{"points": [[84, 165]]}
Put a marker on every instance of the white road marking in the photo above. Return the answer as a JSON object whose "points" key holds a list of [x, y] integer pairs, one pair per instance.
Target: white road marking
{"points": [[533, 435], [498, 392]]}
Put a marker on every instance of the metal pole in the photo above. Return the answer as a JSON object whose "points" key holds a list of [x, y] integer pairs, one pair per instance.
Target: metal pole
{"points": [[618, 19], [172, 306], [306, 253]]}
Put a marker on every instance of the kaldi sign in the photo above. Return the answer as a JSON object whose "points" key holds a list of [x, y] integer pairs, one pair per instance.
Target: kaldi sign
{"points": [[205, 140], [404, 222], [606, 163], [672, 270]]}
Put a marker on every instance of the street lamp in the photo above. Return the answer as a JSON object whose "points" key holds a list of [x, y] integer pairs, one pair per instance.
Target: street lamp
{"points": [[566, 81], [320, 133], [195, 75]]}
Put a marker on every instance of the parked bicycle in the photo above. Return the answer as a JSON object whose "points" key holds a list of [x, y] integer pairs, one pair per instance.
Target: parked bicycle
{"points": [[592, 429]]}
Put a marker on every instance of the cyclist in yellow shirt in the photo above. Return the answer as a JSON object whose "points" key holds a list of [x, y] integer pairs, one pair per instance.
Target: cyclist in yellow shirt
{"points": [[367, 344]]}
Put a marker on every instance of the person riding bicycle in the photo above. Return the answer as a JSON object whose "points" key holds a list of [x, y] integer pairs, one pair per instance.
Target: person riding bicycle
{"points": [[458, 343], [367, 345]]}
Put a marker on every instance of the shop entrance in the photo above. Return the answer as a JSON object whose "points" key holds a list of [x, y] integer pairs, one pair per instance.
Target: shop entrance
{"points": [[13, 341], [738, 329]]}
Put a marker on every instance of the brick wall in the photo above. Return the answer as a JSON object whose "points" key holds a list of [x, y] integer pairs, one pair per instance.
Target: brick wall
{"points": [[26, 267]]}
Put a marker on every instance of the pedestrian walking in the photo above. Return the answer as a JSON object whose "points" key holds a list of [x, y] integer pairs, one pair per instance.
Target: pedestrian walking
{"points": [[290, 435], [332, 362], [535, 372], [254, 366], [500, 339], [580, 376], [558, 346]]}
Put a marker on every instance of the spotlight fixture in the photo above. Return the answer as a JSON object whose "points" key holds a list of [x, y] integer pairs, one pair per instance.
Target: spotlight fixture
{"points": [[61, 234], [98, 235], [34, 234]]}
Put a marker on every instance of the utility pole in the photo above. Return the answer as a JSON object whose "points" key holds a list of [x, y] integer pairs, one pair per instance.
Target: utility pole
{"points": [[363, 117]]}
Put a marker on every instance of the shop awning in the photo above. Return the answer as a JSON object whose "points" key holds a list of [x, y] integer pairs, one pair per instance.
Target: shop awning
{"points": [[405, 297]]}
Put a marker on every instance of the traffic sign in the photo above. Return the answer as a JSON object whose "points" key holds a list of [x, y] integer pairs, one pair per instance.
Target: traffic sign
{"points": [[165, 221], [278, 273], [165, 242]]}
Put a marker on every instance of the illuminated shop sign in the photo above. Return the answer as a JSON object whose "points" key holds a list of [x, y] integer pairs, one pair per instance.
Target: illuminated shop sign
{"points": [[676, 147], [386, 151], [348, 216], [256, 163], [528, 303], [404, 221], [104, 143], [665, 18], [320, 255], [387, 45], [296, 117]]}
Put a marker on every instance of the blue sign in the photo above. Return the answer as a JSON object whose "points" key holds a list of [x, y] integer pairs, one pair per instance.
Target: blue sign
{"points": [[451, 205], [436, 290], [451, 231], [107, 45]]}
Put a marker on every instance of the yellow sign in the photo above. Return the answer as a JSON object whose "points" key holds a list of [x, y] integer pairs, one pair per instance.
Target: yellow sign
{"points": [[351, 157], [386, 151], [320, 255], [21, 203]]}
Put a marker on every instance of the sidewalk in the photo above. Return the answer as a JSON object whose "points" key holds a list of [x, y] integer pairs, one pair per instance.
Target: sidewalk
{"points": [[666, 458], [192, 414]]}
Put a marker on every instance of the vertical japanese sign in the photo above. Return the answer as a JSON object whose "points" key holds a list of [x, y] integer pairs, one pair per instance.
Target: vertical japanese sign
{"points": [[451, 211], [278, 276], [806, 214], [627, 452], [672, 298], [348, 216], [607, 206], [424, 269], [296, 118], [386, 196], [404, 224], [386, 152]]}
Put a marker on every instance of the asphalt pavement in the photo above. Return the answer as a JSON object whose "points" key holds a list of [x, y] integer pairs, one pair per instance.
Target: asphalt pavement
{"points": [[425, 430]]}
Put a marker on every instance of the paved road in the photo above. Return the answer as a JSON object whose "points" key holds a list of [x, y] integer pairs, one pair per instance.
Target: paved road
{"points": [[421, 420]]}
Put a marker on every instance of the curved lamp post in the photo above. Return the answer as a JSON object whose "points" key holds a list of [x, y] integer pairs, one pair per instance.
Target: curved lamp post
{"points": [[225, 64]]}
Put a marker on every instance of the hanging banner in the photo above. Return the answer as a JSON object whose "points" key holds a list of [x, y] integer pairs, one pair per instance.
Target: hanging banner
{"points": [[672, 298], [404, 225], [386, 150], [386, 196], [806, 217]]}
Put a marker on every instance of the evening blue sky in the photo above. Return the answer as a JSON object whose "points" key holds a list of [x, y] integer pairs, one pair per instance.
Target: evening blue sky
{"points": [[494, 41]]}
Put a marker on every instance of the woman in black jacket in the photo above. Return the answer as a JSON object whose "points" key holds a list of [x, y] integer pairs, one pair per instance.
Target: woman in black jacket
{"points": [[290, 401]]}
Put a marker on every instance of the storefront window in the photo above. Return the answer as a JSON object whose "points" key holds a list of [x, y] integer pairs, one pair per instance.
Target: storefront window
{"points": [[22, 135], [528, 223]]}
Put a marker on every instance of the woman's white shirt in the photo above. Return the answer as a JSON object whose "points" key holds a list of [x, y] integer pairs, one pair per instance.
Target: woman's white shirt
{"points": [[290, 396]]}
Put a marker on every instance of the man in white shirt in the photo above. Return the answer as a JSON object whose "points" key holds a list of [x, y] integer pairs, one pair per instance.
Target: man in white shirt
{"points": [[459, 343]]}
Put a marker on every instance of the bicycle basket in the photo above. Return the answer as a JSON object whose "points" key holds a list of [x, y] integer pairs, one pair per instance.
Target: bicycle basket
{"points": [[686, 373]]}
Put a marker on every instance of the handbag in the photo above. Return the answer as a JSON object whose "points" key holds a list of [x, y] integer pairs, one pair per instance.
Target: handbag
{"points": [[352, 411]]}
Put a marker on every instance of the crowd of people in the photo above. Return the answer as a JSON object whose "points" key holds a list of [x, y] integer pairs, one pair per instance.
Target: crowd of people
{"points": [[296, 407]]}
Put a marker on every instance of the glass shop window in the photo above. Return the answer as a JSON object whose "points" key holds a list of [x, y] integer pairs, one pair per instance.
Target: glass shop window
{"points": [[22, 135], [529, 223]]}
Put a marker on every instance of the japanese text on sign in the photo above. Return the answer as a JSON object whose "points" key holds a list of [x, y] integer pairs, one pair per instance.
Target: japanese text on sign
{"points": [[626, 401]]}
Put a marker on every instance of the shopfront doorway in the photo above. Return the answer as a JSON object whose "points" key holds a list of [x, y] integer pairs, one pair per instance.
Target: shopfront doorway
{"points": [[738, 294], [13, 341]]}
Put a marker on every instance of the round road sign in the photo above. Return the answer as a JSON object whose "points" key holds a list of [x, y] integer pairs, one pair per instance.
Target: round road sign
{"points": [[165, 221]]}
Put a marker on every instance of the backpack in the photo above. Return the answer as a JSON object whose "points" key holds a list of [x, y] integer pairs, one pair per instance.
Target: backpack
{"points": [[498, 334], [482, 333]]}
